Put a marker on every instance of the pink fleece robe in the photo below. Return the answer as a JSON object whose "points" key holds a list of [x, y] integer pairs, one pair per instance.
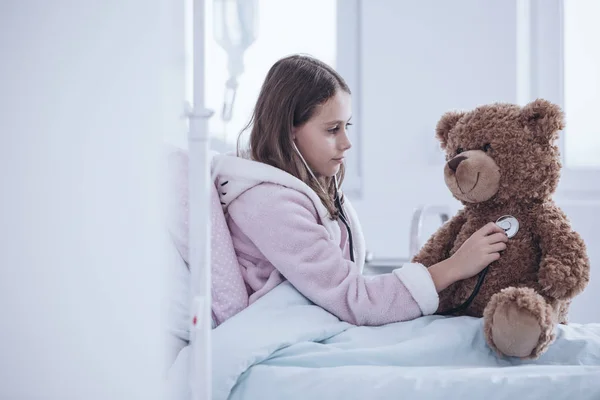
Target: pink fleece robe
{"points": [[281, 231]]}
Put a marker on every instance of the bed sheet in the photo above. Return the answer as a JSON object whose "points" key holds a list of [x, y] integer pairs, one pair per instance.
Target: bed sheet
{"points": [[283, 346]]}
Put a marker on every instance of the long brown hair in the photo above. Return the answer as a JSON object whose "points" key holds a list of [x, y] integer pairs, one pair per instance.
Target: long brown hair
{"points": [[294, 87]]}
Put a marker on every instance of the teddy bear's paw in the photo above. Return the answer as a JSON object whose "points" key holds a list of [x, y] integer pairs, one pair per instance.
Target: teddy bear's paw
{"points": [[515, 331], [518, 323], [562, 281]]}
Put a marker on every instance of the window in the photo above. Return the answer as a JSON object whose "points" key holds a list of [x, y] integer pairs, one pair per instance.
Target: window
{"points": [[326, 29], [581, 83], [560, 62], [285, 27]]}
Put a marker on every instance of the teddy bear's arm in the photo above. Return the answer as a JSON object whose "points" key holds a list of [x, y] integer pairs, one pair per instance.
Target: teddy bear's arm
{"points": [[438, 247], [564, 267]]}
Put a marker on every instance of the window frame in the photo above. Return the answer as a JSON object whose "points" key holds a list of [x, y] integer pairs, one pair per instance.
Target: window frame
{"points": [[540, 74], [349, 44]]}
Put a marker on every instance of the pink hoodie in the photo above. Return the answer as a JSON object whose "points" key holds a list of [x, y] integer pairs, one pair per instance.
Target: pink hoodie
{"points": [[281, 230]]}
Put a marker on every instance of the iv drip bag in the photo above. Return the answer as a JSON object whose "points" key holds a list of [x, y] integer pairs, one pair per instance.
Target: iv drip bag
{"points": [[235, 29]]}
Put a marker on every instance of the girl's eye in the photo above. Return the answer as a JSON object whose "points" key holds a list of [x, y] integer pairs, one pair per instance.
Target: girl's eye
{"points": [[459, 150], [337, 128], [487, 147]]}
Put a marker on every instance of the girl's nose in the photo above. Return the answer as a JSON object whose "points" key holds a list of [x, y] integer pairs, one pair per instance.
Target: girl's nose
{"points": [[345, 143]]}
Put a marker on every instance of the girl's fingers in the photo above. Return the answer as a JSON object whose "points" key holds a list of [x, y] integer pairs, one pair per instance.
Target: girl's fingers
{"points": [[493, 257], [496, 247], [490, 228], [497, 238]]}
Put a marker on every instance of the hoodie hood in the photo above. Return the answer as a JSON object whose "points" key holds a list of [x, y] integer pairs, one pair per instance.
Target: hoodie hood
{"points": [[234, 175]]}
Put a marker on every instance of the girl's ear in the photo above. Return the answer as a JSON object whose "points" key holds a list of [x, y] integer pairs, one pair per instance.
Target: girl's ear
{"points": [[294, 130]]}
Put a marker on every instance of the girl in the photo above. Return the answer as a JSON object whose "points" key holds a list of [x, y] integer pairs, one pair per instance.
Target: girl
{"points": [[289, 220]]}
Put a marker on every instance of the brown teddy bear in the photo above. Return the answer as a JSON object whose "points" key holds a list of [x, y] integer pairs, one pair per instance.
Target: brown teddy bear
{"points": [[503, 166]]}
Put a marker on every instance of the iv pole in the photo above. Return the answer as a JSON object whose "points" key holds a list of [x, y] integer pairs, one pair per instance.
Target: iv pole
{"points": [[200, 377]]}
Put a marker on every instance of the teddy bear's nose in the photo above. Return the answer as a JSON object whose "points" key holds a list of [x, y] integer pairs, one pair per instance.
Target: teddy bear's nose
{"points": [[453, 164]]}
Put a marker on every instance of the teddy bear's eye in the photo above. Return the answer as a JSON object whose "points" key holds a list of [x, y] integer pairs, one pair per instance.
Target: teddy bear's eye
{"points": [[459, 150], [487, 147]]}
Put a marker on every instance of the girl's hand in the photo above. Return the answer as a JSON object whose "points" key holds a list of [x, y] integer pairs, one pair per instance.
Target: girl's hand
{"points": [[476, 253], [479, 251]]}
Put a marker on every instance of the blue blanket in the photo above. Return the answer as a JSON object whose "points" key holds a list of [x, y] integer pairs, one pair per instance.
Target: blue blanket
{"points": [[284, 347]]}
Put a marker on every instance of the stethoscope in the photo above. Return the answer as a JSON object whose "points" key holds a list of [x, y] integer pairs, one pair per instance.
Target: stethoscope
{"points": [[510, 225], [344, 220], [338, 203]]}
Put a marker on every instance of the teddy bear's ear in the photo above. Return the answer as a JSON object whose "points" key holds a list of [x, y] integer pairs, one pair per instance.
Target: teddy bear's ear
{"points": [[445, 125], [544, 119]]}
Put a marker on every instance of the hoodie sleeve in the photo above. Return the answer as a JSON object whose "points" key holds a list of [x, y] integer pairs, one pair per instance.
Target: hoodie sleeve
{"points": [[283, 225]]}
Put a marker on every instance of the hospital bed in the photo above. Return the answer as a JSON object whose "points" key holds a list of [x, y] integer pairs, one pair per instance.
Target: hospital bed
{"points": [[284, 347]]}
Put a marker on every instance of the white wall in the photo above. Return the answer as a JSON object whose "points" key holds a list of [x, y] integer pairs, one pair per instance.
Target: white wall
{"points": [[420, 59], [82, 112], [585, 218]]}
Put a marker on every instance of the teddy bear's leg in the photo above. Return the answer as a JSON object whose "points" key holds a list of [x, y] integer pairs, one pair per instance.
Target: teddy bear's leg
{"points": [[518, 322]]}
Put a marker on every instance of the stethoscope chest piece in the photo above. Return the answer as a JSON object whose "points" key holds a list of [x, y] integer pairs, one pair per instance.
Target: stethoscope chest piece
{"points": [[510, 225]]}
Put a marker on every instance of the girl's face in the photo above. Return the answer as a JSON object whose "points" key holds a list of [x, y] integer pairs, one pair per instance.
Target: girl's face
{"points": [[323, 139]]}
